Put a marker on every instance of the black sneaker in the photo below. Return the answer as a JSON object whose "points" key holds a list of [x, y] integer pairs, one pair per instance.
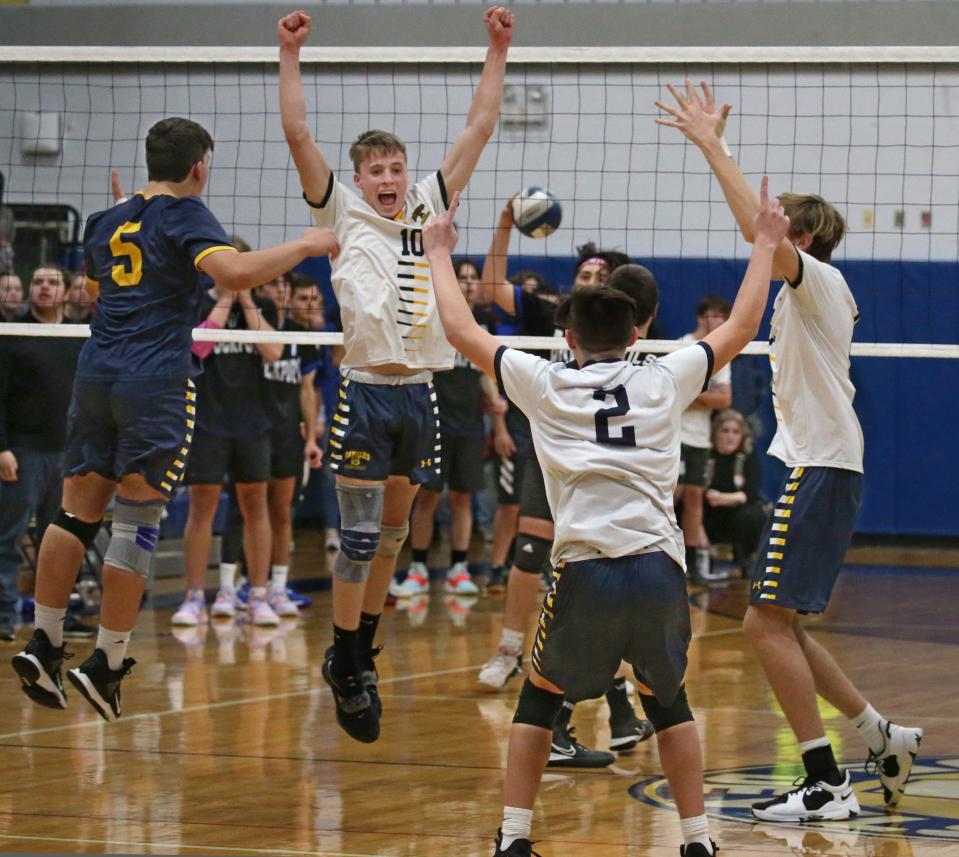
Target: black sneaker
{"points": [[370, 679], [74, 629], [497, 579], [99, 684], [519, 847], [355, 711], [38, 666], [567, 752], [697, 849], [625, 733]]}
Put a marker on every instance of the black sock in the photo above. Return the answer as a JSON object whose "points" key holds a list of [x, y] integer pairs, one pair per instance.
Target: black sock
{"points": [[457, 556], [420, 555], [618, 700], [345, 645], [565, 713], [367, 632], [821, 766]]}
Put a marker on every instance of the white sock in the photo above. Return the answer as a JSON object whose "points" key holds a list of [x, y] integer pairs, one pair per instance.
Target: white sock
{"points": [[278, 576], [516, 825], [50, 621], [869, 726], [114, 645], [257, 592], [512, 640], [228, 575], [814, 744], [696, 829]]}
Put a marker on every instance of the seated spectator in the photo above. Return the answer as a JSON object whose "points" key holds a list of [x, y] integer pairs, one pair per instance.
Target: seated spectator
{"points": [[733, 511], [78, 307], [529, 281], [11, 296]]}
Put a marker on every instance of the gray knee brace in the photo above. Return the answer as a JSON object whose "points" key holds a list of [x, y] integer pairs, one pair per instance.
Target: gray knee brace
{"points": [[532, 553], [136, 529], [392, 540], [361, 511]]}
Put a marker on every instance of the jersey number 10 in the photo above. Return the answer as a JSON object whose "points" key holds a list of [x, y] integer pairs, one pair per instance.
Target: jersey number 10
{"points": [[627, 436], [412, 242]]}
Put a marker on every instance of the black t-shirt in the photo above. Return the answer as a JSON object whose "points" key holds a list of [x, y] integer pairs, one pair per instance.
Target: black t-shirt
{"points": [[458, 391], [36, 385], [232, 396], [736, 471], [284, 377]]}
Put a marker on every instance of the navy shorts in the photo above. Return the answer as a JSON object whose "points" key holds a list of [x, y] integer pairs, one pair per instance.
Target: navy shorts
{"points": [[804, 542], [602, 611], [383, 428], [462, 464], [115, 428]]}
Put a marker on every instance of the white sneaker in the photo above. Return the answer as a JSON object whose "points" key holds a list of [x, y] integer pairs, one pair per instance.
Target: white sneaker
{"points": [[501, 668], [458, 581], [225, 605], [261, 613], [191, 612], [417, 582], [281, 603], [893, 763], [810, 801]]}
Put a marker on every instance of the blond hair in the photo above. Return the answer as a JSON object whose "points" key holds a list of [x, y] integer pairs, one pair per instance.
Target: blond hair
{"points": [[732, 415], [375, 143], [810, 214]]}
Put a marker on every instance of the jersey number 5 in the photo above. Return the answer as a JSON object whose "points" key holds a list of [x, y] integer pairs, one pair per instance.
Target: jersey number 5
{"points": [[128, 274], [627, 437]]}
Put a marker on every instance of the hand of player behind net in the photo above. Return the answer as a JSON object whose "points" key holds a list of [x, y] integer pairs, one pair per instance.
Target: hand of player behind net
{"points": [[499, 24], [697, 117], [770, 223], [439, 234], [293, 30]]}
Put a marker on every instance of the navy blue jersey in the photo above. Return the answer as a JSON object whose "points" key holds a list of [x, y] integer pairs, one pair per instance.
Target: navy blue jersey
{"points": [[143, 255]]}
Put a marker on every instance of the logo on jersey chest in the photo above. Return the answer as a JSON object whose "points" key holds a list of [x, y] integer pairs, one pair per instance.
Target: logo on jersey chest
{"points": [[420, 214], [285, 371]]}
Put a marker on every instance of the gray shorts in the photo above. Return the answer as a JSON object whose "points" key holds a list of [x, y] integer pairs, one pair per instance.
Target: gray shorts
{"points": [[602, 611]]}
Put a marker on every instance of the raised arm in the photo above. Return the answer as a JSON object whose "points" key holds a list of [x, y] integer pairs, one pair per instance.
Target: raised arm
{"points": [[464, 334], [770, 226], [494, 283], [292, 32], [484, 111], [702, 122]]}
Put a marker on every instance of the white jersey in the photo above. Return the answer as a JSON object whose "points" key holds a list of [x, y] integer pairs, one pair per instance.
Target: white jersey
{"points": [[382, 280], [607, 439], [697, 423], [809, 344]]}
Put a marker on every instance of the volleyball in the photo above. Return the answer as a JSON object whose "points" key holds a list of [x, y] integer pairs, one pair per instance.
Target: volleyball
{"points": [[536, 212]]}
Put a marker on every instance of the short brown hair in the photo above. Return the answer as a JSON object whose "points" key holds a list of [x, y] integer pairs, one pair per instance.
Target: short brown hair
{"points": [[639, 283], [375, 143], [173, 146], [602, 319], [713, 303], [810, 214], [63, 273]]}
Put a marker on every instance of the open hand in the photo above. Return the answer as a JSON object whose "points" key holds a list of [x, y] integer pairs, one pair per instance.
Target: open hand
{"points": [[499, 24], [770, 224], [116, 187], [293, 30], [696, 116], [439, 234]]}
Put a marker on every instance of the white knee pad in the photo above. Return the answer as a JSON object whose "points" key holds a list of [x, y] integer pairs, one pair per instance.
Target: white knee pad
{"points": [[136, 529], [392, 540]]}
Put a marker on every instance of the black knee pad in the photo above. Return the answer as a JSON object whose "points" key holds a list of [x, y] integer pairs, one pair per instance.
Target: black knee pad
{"points": [[663, 717], [537, 707], [73, 525], [532, 553]]}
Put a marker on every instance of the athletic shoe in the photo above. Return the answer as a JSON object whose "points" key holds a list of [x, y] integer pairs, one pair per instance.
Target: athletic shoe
{"points": [[191, 612], [416, 608], [497, 579], [458, 581], [243, 596], [370, 679], [38, 666], [354, 709], [518, 848], [281, 603], [261, 613], [99, 684], [810, 801], [501, 668], [627, 732], [298, 598], [74, 629], [417, 582], [225, 605], [893, 763], [697, 849], [7, 632], [567, 752]]}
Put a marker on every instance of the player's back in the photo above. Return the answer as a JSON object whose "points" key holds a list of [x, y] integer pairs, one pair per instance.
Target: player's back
{"points": [[143, 255]]}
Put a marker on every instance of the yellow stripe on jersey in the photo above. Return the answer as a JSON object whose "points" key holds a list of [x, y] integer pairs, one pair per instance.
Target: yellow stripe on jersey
{"points": [[781, 528], [215, 249], [777, 541]]}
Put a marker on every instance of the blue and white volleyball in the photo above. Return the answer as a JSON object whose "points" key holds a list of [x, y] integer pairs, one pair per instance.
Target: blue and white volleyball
{"points": [[536, 212]]}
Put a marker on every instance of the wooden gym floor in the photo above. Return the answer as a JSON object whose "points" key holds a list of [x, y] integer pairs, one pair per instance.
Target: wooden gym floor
{"points": [[228, 743]]}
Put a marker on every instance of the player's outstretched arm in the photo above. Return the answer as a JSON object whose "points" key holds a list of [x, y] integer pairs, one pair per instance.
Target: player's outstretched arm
{"points": [[770, 226], [292, 32], [238, 271], [484, 111], [494, 283], [464, 334], [703, 122]]}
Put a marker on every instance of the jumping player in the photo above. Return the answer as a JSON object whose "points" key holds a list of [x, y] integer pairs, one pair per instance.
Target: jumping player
{"points": [[384, 440]]}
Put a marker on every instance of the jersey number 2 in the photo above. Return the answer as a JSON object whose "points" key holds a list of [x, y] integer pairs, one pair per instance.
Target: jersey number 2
{"points": [[128, 274], [627, 437], [412, 242]]}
